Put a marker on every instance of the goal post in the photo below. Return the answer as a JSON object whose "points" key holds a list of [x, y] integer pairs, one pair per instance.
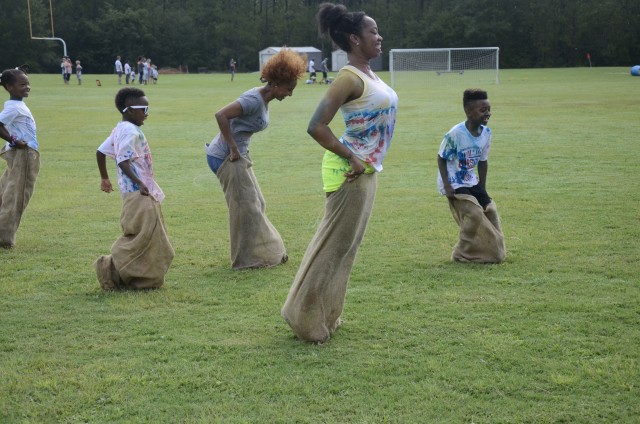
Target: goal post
{"points": [[53, 37], [468, 65]]}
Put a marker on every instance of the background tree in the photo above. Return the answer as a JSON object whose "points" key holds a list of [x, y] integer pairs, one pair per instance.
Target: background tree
{"points": [[206, 34]]}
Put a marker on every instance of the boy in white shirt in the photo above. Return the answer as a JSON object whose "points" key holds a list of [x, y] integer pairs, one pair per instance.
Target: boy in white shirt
{"points": [[465, 147], [141, 257]]}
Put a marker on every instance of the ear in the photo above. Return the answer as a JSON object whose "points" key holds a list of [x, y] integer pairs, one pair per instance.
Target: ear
{"points": [[354, 39]]}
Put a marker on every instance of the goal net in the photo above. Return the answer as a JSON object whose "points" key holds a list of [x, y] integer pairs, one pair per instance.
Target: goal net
{"points": [[415, 67]]}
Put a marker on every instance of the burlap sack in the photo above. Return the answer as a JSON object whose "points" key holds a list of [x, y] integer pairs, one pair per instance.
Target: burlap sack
{"points": [[481, 239], [16, 188], [141, 257], [255, 243], [316, 298]]}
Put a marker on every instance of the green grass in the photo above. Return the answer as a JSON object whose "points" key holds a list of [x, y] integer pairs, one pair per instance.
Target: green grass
{"points": [[551, 335]]}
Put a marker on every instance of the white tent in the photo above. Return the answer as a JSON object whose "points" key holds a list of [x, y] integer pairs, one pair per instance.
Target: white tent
{"points": [[339, 59], [311, 52]]}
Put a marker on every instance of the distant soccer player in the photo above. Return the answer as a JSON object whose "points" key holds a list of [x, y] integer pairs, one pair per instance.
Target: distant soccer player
{"points": [[312, 70], [325, 69], [465, 147]]}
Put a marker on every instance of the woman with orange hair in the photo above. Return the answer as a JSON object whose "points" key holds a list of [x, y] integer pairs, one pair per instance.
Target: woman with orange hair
{"points": [[255, 243]]}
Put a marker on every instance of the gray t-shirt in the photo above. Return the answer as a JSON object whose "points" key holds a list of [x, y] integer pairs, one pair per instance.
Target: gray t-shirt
{"points": [[254, 118]]}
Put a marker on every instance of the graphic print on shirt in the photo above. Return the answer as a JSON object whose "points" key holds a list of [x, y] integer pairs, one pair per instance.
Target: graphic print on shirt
{"points": [[463, 151]]}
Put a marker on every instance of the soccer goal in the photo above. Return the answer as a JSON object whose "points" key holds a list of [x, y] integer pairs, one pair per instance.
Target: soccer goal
{"points": [[473, 65]]}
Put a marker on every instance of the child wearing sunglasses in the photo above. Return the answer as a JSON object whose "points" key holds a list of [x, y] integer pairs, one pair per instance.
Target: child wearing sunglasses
{"points": [[141, 257]]}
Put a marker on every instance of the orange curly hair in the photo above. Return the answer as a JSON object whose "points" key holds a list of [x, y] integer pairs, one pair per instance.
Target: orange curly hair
{"points": [[285, 66]]}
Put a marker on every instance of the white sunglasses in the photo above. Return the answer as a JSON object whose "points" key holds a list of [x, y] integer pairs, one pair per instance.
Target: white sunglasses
{"points": [[146, 109]]}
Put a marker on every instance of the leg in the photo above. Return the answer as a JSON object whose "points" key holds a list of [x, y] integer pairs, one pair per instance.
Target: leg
{"points": [[316, 298], [16, 188]]}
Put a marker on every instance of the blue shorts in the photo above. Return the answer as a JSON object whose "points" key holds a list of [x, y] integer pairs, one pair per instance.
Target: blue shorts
{"points": [[214, 163]]}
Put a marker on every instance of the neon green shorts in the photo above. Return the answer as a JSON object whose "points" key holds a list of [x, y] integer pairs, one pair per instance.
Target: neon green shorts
{"points": [[333, 169]]}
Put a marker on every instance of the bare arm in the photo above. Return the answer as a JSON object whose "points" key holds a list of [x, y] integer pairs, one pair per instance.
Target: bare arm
{"points": [[224, 117], [483, 168], [125, 165], [4, 133], [105, 183], [347, 86], [442, 167]]}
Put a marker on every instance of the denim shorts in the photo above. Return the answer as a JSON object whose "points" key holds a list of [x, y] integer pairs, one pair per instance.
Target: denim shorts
{"points": [[214, 163]]}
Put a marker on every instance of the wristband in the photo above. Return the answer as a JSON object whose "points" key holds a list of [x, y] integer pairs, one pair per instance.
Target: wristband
{"points": [[12, 143]]}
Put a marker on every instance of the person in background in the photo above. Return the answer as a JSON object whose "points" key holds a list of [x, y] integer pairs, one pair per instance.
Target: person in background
{"points": [[254, 241], [325, 70], [140, 66], [145, 71], [79, 72], [316, 299], [154, 73], [312, 70], [68, 69], [127, 72], [232, 68], [119, 70], [62, 69]]}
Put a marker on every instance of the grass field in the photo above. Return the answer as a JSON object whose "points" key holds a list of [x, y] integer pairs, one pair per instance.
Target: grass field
{"points": [[550, 336]]}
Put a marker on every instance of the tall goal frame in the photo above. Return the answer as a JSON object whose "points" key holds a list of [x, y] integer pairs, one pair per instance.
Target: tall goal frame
{"points": [[53, 37], [445, 61]]}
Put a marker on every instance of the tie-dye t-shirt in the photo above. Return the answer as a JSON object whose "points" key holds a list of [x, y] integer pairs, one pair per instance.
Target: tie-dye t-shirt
{"points": [[370, 120], [462, 151], [127, 142]]}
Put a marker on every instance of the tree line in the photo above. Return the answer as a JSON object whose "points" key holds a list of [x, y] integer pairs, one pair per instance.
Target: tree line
{"points": [[207, 33]]}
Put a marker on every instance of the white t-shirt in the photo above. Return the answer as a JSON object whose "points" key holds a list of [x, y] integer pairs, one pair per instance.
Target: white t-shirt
{"points": [[18, 120], [118, 66], [462, 151], [127, 142]]}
